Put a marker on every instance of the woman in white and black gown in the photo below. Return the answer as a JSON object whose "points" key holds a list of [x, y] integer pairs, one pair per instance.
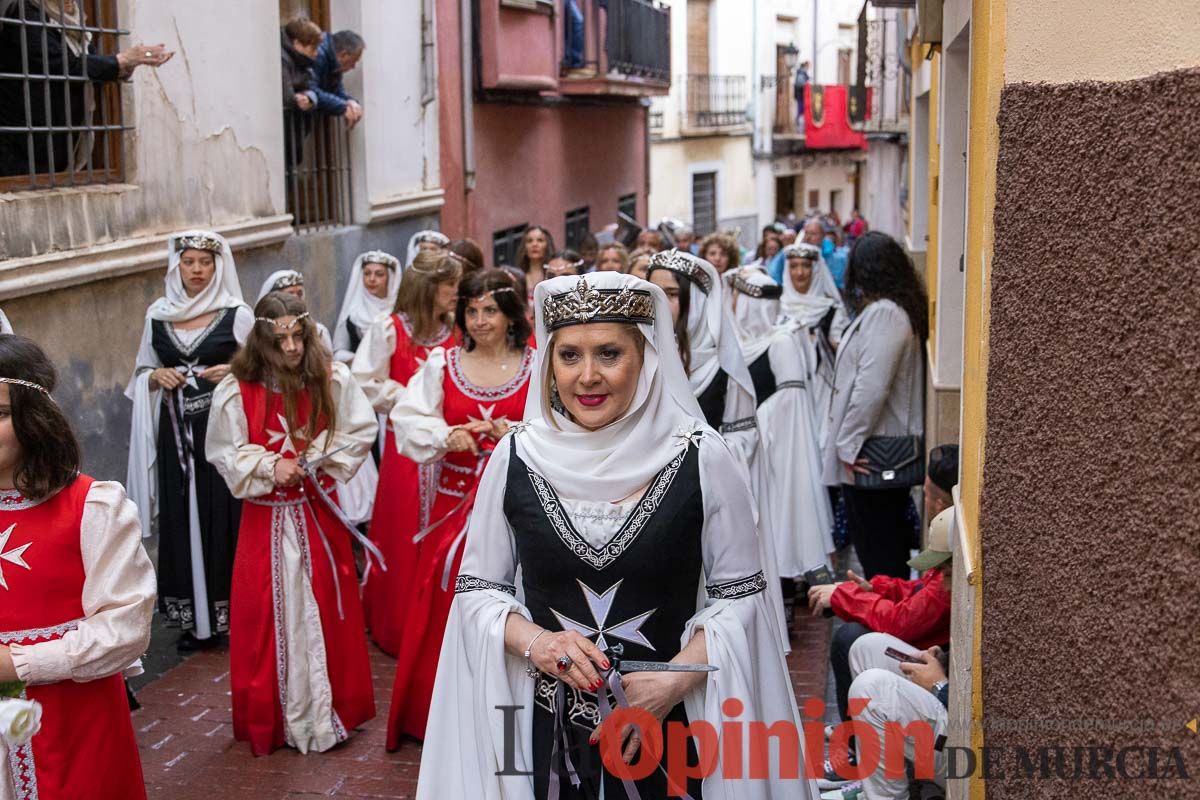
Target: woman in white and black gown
{"points": [[625, 515], [189, 337]]}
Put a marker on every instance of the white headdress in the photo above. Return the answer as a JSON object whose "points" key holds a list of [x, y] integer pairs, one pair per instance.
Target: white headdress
{"points": [[223, 291], [712, 338], [620, 459], [414, 243], [757, 313], [360, 306], [278, 280]]}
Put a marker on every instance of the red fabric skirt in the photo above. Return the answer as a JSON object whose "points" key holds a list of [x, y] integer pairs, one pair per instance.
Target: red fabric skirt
{"points": [[428, 609], [86, 747], [404, 487], [257, 654]]}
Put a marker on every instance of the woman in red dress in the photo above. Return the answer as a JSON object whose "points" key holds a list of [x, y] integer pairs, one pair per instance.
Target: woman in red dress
{"points": [[392, 350], [455, 409], [76, 597], [286, 425]]}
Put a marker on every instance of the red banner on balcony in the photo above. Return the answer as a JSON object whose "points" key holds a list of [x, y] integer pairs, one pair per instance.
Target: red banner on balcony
{"points": [[827, 119]]}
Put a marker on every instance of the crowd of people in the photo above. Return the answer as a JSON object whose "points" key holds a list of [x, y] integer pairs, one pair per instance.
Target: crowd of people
{"points": [[548, 473]]}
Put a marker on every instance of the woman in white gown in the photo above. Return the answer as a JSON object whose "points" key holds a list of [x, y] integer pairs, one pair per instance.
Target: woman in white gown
{"points": [[791, 496], [624, 515]]}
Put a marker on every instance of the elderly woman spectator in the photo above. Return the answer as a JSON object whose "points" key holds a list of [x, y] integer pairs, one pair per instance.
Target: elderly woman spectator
{"points": [[338, 54], [50, 38], [299, 42]]}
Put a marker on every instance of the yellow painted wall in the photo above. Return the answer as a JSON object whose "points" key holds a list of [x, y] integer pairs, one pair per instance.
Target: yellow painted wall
{"points": [[935, 154]]}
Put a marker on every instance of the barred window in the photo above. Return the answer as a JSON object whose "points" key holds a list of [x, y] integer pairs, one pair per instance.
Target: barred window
{"points": [[60, 94], [506, 243]]}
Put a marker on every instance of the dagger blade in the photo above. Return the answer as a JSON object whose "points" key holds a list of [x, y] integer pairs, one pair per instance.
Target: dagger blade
{"points": [[662, 666]]}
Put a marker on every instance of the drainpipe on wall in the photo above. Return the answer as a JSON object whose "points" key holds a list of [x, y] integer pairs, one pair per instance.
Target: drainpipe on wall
{"points": [[468, 96], [813, 79], [757, 140]]}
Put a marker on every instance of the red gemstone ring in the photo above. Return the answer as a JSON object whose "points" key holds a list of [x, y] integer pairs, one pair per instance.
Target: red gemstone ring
{"points": [[563, 663]]}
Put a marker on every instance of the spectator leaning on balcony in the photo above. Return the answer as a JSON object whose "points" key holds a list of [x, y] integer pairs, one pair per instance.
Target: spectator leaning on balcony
{"points": [[55, 43], [798, 90], [300, 40], [338, 54]]}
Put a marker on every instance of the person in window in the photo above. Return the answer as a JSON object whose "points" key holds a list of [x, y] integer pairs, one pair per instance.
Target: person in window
{"points": [[339, 53], [299, 41], [47, 38], [798, 91]]}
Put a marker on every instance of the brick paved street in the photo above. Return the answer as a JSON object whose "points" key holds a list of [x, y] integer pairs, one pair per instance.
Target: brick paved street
{"points": [[188, 752]]}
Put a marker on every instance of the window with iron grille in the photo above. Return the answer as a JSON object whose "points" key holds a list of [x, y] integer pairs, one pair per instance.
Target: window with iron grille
{"points": [[627, 205], [60, 95], [577, 227], [505, 244], [704, 202]]}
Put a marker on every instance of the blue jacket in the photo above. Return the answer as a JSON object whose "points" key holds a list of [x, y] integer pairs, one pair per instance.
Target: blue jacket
{"points": [[327, 81]]}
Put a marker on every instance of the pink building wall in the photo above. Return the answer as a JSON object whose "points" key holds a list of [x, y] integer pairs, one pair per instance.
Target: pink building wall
{"points": [[534, 160]]}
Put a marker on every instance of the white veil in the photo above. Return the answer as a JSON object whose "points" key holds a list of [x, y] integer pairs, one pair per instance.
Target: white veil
{"points": [[619, 460], [415, 240], [360, 306]]}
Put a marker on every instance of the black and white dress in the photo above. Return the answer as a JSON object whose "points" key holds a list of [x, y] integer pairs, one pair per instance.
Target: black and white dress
{"points": [[194, 569]]}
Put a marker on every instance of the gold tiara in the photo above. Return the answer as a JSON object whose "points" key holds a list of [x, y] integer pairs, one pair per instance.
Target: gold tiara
{"points": [[681, 264], [200, 242], [802, 250], [767, 291], [275, 321], [585, 304], [28, 384], [292, 278]]}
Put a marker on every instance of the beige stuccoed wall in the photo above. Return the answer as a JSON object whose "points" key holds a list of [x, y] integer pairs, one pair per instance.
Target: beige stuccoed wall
{"points": [[1079, 40]]}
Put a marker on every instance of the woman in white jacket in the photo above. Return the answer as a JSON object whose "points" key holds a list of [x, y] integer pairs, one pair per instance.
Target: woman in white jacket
{"points": [[879, 381]]}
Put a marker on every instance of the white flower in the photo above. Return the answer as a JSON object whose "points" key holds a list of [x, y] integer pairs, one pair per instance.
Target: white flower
{"points": [[19, 720]]}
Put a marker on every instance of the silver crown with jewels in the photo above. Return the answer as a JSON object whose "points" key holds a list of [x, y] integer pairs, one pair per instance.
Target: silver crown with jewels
{"points": [[683, 264], [585, 304]]}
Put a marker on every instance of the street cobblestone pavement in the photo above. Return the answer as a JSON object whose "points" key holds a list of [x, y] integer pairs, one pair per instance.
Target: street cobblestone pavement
{"points": [[185, 735]]}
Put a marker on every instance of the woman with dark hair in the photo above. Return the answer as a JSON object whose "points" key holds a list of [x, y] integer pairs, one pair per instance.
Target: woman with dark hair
{"points": [[189, 337], [469, 252], [454, 411], [286, 424], [391, 352], [610, 530], [78, 594], [537, 245], [878, 388]]}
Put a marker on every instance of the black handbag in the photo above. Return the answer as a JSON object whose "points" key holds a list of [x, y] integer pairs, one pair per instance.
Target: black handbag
{"points": [[896, 462]]}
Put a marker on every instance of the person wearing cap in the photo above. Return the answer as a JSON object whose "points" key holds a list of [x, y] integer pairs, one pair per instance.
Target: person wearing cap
{"points": [[917, 612]]}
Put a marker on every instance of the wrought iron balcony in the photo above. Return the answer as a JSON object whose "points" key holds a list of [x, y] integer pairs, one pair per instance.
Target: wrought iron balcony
{"points": [[715, 102], [626, 49]]}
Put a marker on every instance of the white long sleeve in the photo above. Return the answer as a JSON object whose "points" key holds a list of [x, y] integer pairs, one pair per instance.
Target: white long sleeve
{"points": [[118, 598], [372, 365], [248, 469], [417, 417]]}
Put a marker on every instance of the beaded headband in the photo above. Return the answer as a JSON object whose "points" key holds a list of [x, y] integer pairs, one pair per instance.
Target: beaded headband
{"points": [[681, 264], [766, 291], [380, 257], [27, 384], [802, 250], [584, 304], [275, 321], [199, 242], [289, 280]]}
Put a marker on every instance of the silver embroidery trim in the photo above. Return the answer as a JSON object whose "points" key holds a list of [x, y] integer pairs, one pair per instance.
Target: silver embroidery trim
{"points": [[34, 634], [258, 501], [13, 500], [428, 476], [599, 559], [281, 665], [487, 393], [451, 492], [579, 709], [790, 385], [436, 340], [187, 350], [741, 587], [197, 404], [469, 583], [22, 768], [744, 424], [457, 468]]}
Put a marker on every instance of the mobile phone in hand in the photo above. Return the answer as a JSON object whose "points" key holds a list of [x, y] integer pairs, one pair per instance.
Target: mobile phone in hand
{"points": [[820, 576], [906, 658]]}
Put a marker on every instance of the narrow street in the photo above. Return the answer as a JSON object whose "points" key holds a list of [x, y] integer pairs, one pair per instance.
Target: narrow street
{"points": [[186, 741]]}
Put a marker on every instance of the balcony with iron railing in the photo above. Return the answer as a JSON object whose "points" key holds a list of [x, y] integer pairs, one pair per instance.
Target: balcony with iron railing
{"points": [[715, 104], [627, 49]]}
